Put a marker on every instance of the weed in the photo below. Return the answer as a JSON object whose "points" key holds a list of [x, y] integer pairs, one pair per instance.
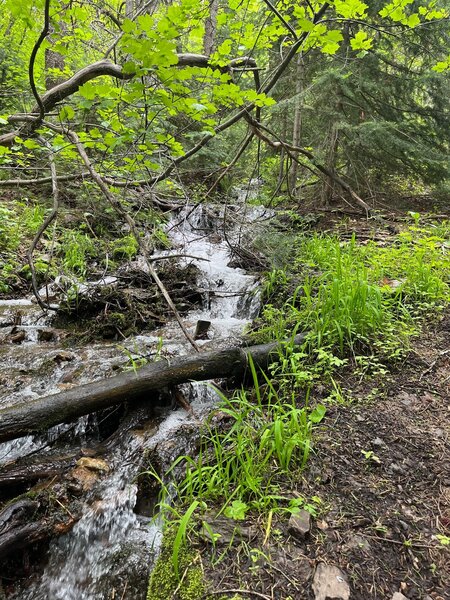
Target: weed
{"points": [[370, 456], [125, 247], [359, 302], [76, 247]]}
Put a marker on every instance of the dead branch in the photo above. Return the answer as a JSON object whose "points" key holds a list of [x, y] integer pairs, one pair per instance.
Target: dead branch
{"points": [[292, 150], [47, 221]]}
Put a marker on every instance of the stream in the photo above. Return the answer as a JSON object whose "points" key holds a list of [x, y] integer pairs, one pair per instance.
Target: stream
{"points": [[109, 551]]}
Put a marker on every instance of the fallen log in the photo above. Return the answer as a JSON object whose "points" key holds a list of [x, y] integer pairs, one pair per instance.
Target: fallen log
{"points": [[18, 530], [31, 469], [38, 415]]}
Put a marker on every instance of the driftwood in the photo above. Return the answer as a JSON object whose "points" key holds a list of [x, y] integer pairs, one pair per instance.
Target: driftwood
{"points": [[38, 415], [41, 466]]}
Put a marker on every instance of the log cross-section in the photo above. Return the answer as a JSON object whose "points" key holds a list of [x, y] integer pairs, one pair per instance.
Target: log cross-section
{"points": [[38, 415]]}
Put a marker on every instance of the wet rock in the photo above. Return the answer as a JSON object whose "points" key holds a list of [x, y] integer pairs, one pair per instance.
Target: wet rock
{"points": [[85, 478], [300, 524], [94, 464], [18, 337], [330, 583], [63, 356], [69, 377], [201, 330], [46, 335]]}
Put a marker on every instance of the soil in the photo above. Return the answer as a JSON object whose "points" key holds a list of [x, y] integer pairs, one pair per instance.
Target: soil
{"points": [[381, 470]]}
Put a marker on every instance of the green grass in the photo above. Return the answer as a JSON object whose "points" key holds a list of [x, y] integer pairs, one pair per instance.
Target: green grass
{"points": [[356, 299], [238, 468]]}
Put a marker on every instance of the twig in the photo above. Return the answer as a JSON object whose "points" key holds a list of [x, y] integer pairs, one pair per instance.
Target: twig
{"points": [[277, 13], [237, 591], [40, 180], [124, 590], [156, 258]]}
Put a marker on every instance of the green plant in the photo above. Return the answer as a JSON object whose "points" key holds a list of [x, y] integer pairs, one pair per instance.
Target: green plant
{"points": [[125, 247], [370, 456], [444, 540], [237, 468], [358, 302], [76, 248]]}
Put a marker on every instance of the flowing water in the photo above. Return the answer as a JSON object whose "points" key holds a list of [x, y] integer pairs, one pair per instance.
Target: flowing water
{"points": [[112, 546]]}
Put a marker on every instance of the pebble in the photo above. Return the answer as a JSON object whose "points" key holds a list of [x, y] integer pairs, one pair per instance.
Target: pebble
{"points": [[378, 442], [330, 583], [399, 596], [300, 524]]}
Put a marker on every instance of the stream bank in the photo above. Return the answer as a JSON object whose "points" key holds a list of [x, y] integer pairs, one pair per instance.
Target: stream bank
{"points": [[372, 505]]}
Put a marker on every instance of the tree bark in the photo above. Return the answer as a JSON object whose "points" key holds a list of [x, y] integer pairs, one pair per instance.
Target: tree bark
{"points": [[297, 127], [210, 28], [38, 415]]}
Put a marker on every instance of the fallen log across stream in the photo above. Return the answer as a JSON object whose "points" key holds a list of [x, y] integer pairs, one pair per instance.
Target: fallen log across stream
{"points": [[38, 415]]}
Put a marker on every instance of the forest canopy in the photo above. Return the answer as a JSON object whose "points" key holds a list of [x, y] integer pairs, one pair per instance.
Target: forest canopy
{"points": [[339, 93]]}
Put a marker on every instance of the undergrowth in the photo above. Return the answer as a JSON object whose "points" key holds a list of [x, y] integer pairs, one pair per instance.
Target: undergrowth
{"points": [[81, 243]]}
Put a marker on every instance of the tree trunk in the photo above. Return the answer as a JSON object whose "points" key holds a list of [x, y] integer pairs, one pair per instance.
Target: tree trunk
{"points": [[328, 186], [38, 415], [297, 127], [210, 28]]}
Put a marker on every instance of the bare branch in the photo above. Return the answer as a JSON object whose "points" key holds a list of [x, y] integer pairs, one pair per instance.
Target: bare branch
{"points": [[258, 128], [50, 218]]}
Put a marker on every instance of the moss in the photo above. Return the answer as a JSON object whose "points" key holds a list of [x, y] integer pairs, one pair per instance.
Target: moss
{"points": [[163, 580]]}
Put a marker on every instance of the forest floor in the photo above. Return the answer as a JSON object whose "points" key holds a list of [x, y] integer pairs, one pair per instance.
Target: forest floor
{"points": [[381, 469], [380, 477]]}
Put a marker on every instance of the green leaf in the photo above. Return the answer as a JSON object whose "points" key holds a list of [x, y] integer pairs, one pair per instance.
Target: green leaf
{"points": [[31, 144], [413, 20], [128, 26], [361, 41], [237, 510], [443, 65], [66, 113], [318, 414]]}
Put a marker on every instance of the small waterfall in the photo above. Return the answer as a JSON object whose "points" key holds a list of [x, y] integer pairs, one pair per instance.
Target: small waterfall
{"points": [[111, 547]]}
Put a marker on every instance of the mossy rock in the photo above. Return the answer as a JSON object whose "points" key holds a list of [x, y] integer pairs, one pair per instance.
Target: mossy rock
{"points": [[164, 581]]}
